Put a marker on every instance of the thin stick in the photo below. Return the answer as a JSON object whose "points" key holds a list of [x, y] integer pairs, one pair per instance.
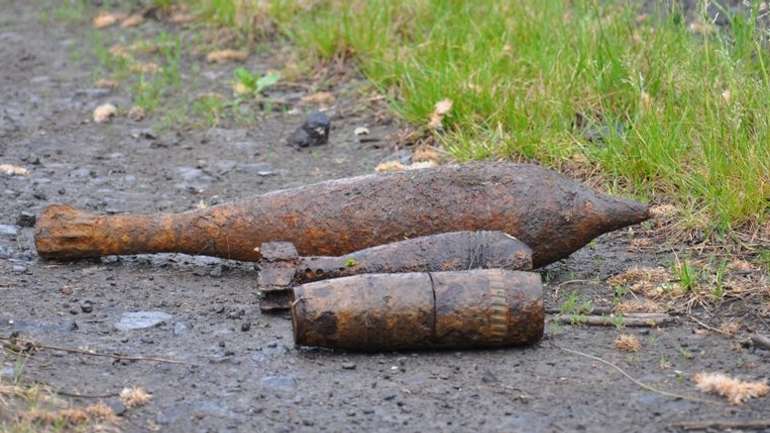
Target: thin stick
{"points": [[84, 352], [75, 395], [761, 341], [640, 321], [710, 328], [592, 311], [723, 424], [637, 382]]}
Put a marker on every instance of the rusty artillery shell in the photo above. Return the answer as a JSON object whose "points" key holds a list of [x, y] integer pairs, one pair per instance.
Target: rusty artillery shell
{"points": [[281, 267], [441, 310], [552, 214]]}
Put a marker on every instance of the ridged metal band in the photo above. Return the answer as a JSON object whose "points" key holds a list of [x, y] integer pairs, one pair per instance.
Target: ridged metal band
{"points": [[498, 315]]}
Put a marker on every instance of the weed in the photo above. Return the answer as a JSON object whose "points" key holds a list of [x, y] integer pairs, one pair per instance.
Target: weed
{"points": [[686, 274], [576, 304], [718, 291], [764, 259], [618, 321], [686, 354], [253, 84], [618, 293], [210, 108]]}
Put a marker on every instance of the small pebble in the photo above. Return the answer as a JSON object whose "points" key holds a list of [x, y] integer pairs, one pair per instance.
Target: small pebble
{"points": [[19, 269], [8, 230], [348, 365], [87, 307], [26, 219], [245, 326], [314, 132]]}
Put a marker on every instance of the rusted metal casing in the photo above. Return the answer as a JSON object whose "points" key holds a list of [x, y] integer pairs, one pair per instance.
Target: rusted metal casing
{"points": [[441, 310], [281, 267], [552, 214]]}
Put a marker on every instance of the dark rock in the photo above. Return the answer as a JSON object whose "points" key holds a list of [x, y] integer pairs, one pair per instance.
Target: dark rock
{"points": [[313, 132], [245, 326], [26, 219], [87, 307]]}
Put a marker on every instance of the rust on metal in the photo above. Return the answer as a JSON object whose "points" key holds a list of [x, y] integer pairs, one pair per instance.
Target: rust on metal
{"points": [[281, 267], [441, 310], [547, 211]]}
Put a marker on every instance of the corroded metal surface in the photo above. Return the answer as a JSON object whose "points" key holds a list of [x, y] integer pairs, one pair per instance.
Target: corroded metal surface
{"points": [[441, 310], [552, 214], [281, 267]]}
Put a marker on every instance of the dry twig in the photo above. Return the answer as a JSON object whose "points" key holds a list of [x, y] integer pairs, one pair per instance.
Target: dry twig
{"points": [[636, 321], [636, 381], [15, 341], [761, 341]]}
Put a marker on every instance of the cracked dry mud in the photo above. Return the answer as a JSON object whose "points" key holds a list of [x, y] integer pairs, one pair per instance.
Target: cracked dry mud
{"points": [[242, 372]]}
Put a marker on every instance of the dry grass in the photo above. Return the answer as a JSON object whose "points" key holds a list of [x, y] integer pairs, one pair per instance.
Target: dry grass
{"points": [[730, 328], [736, 391], [223, 56], [627, 343], [135, 396], [650, 282], [104, 113], [13, 170], [396, 166], [36, 408]]}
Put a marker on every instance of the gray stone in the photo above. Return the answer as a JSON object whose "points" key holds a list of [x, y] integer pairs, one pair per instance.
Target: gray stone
{"points": [[259, 169], [8, 230], [7, 372], [279, 383], [193, 179], [141, 320], [180, 328]]}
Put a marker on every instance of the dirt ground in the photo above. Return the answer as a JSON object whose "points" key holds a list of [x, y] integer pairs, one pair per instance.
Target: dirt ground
{"points": [[241, 371]]}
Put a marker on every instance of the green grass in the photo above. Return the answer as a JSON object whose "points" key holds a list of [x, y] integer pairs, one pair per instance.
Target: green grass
{"points": [[661, 111]]}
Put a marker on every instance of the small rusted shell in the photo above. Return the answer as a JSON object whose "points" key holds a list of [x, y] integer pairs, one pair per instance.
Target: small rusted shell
{"points": [[454, 251], [441, 310]]}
